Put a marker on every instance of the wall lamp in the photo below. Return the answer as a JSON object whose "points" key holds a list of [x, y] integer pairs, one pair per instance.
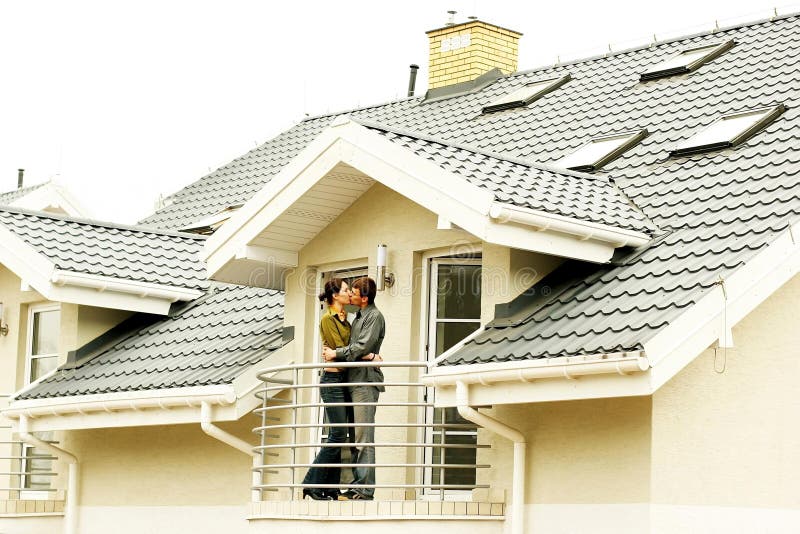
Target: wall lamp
{"points": [[382, 279], [3, 325]]}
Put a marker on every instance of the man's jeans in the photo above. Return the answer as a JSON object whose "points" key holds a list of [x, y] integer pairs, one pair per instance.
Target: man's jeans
{"points": [[364, 435], [335, 414]]}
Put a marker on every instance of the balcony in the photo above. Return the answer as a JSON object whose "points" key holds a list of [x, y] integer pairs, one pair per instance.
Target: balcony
{"points": [[426, 459], [27, 477]]}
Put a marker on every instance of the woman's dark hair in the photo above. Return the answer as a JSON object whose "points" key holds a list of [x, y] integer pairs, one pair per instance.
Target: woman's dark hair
{"points": [[332, 287]]}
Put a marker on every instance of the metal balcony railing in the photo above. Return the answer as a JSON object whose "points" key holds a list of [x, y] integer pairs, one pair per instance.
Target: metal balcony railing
{"points": [[291, 425], [22, 469]]}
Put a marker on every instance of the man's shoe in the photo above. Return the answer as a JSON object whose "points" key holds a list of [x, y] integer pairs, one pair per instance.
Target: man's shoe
{"points": [[317, 495], [352, 495]]}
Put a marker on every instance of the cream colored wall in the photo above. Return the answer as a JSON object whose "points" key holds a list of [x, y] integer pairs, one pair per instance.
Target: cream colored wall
{"points": [[176, 465], [725, 429], [578, 452]]}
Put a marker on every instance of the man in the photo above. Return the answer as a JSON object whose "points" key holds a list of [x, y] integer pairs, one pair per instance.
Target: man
{"points": [[366, 336]]}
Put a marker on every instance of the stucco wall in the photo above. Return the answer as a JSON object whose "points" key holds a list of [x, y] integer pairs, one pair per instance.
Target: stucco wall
{"points": [[725, 430]]}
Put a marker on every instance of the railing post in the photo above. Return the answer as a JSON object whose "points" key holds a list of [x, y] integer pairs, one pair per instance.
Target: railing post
{"points": [[263, 442]]}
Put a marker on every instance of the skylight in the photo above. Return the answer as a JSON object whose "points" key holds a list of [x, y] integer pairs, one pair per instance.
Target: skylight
{"points": [[526, 94], [686, 61], [728, 131], [600, 151], [209, 225]]}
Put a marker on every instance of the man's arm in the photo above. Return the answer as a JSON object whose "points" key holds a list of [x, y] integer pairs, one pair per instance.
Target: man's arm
{"points": [[370, 331]]}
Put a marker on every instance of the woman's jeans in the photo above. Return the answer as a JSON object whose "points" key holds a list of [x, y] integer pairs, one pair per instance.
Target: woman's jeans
{"points": [[336, 434]]}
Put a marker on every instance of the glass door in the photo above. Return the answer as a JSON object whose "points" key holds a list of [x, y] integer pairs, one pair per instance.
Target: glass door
{"points": [[454, 313]]}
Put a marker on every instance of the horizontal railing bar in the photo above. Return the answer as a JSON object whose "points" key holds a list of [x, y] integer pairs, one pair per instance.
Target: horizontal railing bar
{"points": [[432, 466], [359, 445], [18, 442], [281, 381], [318, 404], [348, 425], [29, 489], [30, 457], [337, 486], [338, 365], [341, 384], [31, 473]]}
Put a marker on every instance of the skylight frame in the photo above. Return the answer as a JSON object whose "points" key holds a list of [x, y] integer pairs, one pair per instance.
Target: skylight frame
{"points": [[714, 51], [769, 114], [632, 138], [503, 103]]}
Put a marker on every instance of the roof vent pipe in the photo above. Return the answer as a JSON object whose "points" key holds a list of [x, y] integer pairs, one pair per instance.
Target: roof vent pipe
{"points": [[412, 79], [20, 173], [451, 20]]}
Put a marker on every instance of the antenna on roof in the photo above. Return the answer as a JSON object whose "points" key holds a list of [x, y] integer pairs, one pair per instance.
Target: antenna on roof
{"points": [[451, 20]]}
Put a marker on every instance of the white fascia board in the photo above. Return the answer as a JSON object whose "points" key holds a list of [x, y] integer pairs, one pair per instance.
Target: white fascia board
{"points": [[711, 318], [262, 254], [599, 386], [583, 230], [542, 380], [134, 287], [551, 243], [135, 408]]}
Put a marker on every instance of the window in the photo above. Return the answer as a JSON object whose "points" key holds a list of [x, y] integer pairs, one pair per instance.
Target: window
{"points": [[44, 326], [526, 94], [686, 61], [42, 353], [210, 224], [728, 131], [600, 151], [455, 313]]}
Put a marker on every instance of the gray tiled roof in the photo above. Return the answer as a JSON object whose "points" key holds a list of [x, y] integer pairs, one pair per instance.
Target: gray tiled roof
{"points": [[719, 208], [212, 341], [520, 183], [108, 249], [10, 196]]}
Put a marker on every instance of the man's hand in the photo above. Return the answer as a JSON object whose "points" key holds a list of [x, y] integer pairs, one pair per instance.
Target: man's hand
{"points": [[372, 357], [328, 353]]}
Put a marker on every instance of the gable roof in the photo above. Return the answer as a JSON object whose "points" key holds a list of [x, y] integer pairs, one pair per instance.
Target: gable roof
{"points": [[718, 209], [526, 184], [8, 197], [210, 342], [56, 254]]}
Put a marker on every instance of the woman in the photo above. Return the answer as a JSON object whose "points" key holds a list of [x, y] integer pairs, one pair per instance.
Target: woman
{"points": [[335, 331]]}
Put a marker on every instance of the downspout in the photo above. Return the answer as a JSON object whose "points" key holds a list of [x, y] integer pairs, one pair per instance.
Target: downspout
{"points": [[518, 467], [231, 440], [71, 506]]}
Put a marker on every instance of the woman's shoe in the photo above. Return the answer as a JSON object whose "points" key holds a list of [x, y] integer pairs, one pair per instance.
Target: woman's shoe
{"points": [[317, 495]]}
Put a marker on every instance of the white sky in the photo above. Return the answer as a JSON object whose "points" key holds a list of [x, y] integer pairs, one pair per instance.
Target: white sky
{"points": [[122, 100]]}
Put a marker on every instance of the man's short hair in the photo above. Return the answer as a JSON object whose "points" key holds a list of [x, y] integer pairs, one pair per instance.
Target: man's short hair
{"points": [[366, 288]]}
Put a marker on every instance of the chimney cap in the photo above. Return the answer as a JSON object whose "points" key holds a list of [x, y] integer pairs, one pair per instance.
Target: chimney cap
{"points": [[474, 21]]}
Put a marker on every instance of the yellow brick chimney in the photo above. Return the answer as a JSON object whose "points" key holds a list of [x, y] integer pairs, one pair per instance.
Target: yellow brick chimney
{"points": [[462, 52]]}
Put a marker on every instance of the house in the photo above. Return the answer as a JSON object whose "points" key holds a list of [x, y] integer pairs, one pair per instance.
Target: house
{"points": [[49, 196], [588, 272]]}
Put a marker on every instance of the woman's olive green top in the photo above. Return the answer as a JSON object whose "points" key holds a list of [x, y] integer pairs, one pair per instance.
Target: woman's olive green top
{"points": [[335, 332]]}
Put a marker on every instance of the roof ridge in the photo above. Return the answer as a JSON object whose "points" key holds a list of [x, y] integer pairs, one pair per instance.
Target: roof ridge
{"points": [[461, 146], [612, 53], [106, 224]]}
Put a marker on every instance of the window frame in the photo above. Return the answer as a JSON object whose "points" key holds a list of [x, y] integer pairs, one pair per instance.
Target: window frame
{"points": [[684, 148], [500, 105], [431, 281], [27, 493], [715, 50], [634, 138]]}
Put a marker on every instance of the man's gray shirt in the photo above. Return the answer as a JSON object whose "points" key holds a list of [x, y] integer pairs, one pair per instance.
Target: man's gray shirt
{"points": [[366, 335]]}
